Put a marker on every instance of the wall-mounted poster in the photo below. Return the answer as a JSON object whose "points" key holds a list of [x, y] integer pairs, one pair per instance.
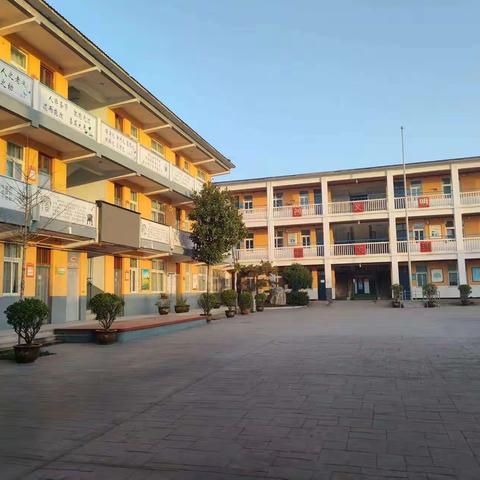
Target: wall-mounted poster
{"points": [[437, 275], [435, 231], [292, 239], [145, 279]]}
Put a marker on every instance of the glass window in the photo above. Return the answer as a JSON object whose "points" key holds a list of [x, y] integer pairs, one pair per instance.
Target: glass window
{"points": [[133, 201], [278, 199], [188, 277], [418, 232], [416, 188], [447, 186], [11, 268], [304, 198], [401, 231], [306, 238], [476, 274], [134, 132], [46, 76], [186, 166], [247, 202], [19, 58], [117, 194], [452, 275], [118, 122], [317, 197], [450, 228], [134, 275], [158, 147], [278, 240], [202, 278], [421, 274], [158, 211], [398, 189], [158, 276], [44, 171], [201, 175], [14, 161], [249, 241], [177, 159], [236, 201]]}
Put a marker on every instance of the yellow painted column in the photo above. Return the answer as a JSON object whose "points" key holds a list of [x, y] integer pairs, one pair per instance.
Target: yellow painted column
{"points": [[83, 263], [60, 84], [5, 50], [30, 258], [59, 175], [3, 156], [58, 273], [108, 274]]}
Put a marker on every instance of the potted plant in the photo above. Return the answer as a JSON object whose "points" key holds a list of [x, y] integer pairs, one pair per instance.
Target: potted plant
{"points": [[106, 307], [229, 299], [206, 302], [430, 295], [397, 295], [163, 304], [465, 291], [26, 317], [245, 302], [181, 305], [217, 300], [260, 299]]}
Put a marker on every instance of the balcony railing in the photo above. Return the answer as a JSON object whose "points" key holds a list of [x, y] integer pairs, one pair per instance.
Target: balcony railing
{"points": [[446, 245], [252, 254], [424, 201], [357, 206], [152, 233], [356, 249], [471, 244], [19, 85], [299, 252], [294, 211], [259, 213], [470, 198]]}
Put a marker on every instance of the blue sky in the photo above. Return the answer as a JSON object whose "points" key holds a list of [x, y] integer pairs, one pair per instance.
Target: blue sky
{"points": [[284, 87]]}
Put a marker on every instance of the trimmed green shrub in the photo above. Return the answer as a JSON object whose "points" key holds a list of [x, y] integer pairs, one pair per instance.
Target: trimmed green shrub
{"points": [[297, 298], [465, 292], [217, 303], [430, 293], [229, 298], [245, 301], [260, 299], [106, 307], [26, 317], [206, 301], [181, 301], [297, 277]]}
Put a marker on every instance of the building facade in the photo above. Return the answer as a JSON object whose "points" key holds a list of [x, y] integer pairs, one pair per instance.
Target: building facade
{"points": [[111, 169], [350, 227]]}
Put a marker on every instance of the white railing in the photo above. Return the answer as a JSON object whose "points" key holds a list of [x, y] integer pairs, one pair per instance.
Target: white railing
{"points": [[67, 112], [182, 238], [299, 252], [252, 254], [22, 87], [470, 198], [16, 83], [445, 245], [358, 206], [471, 244], [152, 233], [258, 213], [51, 205], [356, 249], [424, 201], [293, 211]]}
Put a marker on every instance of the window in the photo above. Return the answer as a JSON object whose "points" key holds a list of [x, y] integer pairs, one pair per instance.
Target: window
{"points": [[188, 277], [44, 171], [11, 268], [416, 188], [133, 201], [450, 228], [452, 275], [158, 211], [158, 276], [236, 201], [418, 232], [178, 218], [319, 236], [421, 275], [14, 161], [18, 58], [447, 186], [278, 239], [401, 232], [249, 241], [134, 132], [158, 147], [46, 76], [304, 198], [118, 122], [202, 278], [177, 159], [476, 274], [186, 166], [117, 195], [278, 199], [134, 275], [248, 202], [306, 241], [43, 256], [317, 197], [398, 189], [201, 175]]}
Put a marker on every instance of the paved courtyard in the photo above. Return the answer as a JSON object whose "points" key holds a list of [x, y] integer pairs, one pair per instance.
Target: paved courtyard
{"points": [[351, 391]]}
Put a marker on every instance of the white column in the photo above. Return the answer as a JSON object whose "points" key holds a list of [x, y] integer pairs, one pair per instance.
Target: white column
{"points": [[395, 276], [392, 224], [326, 241], [270, 226], [458, 222]]}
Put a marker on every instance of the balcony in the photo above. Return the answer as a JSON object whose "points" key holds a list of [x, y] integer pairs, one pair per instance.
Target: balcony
{"points": [[21, 87], [282, 253], [252, 254], [259, 213], [424, 201], [297, 211], [358, 206], [468, 199], [360, 249], [156, 236], [471, 244], [447, 245]]}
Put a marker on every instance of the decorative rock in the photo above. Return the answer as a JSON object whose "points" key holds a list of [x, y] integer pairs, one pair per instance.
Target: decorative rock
{"points": [[278, 296]]}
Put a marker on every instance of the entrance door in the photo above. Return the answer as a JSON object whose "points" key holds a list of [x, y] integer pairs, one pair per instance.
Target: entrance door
{"points": [[117, 278], [42, 286], [73, 298], [322, 289]]}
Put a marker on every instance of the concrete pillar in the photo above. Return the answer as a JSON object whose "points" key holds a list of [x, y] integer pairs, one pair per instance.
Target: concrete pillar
{"points": [[462, 269], [330, 292], [394, 273], [270, 226], [457, 209], [392, 224], [326, 241]]}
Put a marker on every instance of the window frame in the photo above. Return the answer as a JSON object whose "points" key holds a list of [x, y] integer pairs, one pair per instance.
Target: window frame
{"points": [[416, 188], [248, 199], [304, 195], [475, 274], [45, 69], [249, 242], [133, 201], [13, 48], [157, 147], [158, 276], [158, 210], [134, 276], [134, 128], [277, 199], [17, 164], [45, 172], [279, 240], [447, 182], [306, 238], [14, 283]]}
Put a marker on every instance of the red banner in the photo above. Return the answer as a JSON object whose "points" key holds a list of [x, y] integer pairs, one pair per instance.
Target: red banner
{"points": [[358, 207], [296, 211], [425, 247], [423, 202], [298, 252], [360, 249]]}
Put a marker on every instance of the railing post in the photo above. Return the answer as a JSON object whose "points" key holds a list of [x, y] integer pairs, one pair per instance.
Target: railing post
{"points": [[270, 225], [35, 95]]}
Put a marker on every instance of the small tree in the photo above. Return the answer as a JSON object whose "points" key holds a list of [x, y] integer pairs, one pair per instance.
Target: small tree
{"points": [[297, 277], [106, 307], [397, 294], [26, 317], [259, 273], [465, 292], [217, 228], [430, 293]]}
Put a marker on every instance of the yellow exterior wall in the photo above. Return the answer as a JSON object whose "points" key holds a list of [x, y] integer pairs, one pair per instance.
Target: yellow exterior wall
{"points": [[469, 265], [471, 226], [431, 184], [434, 265], [429, 223], [469, 182], [109, 274], [58, 273]]}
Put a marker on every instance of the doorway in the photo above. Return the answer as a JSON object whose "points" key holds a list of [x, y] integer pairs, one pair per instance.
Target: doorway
{"points": [[42, 279], [73, 297], [322, 288]]}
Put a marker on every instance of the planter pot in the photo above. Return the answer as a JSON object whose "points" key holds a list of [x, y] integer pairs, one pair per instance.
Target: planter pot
{"points": [[182, 308], [106, 337], [430, 304], [260, 308], [230, 313], [245, 311], [26, 353], [397, 304], [163, 310]]}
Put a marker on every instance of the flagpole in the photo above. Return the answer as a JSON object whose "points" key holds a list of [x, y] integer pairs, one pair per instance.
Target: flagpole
{"points": [[405, 189]]}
